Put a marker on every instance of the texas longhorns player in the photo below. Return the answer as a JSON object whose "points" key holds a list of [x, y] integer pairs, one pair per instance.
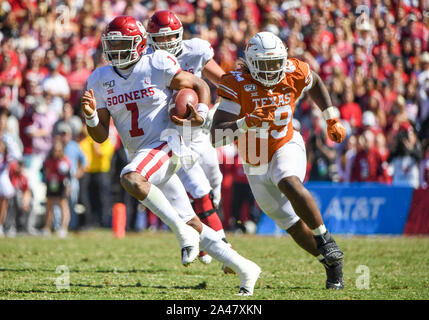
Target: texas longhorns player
{"points": [[257, 104], [204, 179], [135, 90]]}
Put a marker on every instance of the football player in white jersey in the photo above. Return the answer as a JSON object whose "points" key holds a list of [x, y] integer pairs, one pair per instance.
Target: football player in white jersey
{"points": [[135, 90], [204, 179]]}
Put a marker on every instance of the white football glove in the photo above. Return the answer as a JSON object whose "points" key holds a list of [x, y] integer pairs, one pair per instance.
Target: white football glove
{"points": [[209, 120], [217, 195]]}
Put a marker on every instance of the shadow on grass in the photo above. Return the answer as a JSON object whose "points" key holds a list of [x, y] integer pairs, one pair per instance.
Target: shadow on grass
{"points": [[199, 286], [26, 291], [202, 285], [84, 270], [287, 288]]}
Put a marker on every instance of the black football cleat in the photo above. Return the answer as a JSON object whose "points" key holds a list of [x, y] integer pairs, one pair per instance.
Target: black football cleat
{"points": [[329, 249], [334, 276], [333, 260], [244, 292]]}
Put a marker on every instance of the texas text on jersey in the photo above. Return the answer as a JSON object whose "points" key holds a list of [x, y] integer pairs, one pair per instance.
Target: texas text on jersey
{"points": [[240, 87]]}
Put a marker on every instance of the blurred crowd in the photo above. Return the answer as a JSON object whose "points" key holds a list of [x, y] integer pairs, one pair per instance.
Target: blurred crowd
{"points": [[372, 54]]}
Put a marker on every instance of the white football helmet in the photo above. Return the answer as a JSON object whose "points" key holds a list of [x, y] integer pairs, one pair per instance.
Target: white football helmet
{"points": [[266, 58]]}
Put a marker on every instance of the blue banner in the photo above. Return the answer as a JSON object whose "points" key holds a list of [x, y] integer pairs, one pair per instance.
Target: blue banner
{"points": [[357, 208]]}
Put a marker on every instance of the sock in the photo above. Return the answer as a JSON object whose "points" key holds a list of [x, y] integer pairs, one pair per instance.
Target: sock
{"points": [[320, 230], [203, 205], [220, 250], [222, 235], [159, 205]]}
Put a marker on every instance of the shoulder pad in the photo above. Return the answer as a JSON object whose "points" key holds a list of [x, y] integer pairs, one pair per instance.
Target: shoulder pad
{"points": [[162, 60]]}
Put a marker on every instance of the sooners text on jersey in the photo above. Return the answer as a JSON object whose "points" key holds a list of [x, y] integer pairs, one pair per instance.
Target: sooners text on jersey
{"points": [[138, 103]]}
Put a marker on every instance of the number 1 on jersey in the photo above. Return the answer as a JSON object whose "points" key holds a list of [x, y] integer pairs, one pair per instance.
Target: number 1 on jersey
{"points": [[135, 130]]}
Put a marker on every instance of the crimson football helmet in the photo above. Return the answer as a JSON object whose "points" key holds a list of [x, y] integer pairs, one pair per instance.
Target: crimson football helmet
{"points": [[124, 41], [165, 23]]}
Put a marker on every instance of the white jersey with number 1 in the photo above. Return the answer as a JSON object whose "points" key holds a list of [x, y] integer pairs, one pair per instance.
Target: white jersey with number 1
{"points": [[137, 104]]}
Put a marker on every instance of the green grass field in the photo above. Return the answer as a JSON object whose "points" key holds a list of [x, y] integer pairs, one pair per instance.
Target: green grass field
{"points": [[146, 266]]}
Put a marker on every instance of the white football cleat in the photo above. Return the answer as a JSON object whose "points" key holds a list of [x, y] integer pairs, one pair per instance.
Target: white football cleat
{"points": [[189, 240], [248, 275], [205, 258]]}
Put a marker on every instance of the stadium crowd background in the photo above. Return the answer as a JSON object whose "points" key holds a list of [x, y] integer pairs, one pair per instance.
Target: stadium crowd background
{"points": [[373, 56]]}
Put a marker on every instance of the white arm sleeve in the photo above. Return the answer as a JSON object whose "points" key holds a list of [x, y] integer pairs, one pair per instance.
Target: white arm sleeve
{"points": [[229, 106]]}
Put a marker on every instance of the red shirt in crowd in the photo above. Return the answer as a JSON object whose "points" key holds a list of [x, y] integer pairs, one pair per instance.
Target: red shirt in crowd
{"points": [[26, 139], [367, 166], [326, 36], [327, 68], [352, 113], [35, 75], [344, 48], [180, 7], [17, 178], [14, 58], [57, 169], [255, 12], [10, 74]]}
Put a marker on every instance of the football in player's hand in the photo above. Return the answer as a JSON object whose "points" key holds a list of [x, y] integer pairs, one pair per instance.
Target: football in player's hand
{"points": [[180, 101]]}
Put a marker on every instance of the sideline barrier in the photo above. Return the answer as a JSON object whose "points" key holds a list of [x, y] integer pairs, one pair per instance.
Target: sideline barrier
{"points": [[366, 208], [418, 218]]}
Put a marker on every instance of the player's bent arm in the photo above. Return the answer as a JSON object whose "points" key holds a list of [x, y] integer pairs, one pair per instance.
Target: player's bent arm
{"points": [[319, 93], [224, 126], [97, 121], [223, 120], [101, 131], [227, 126], [186, 79], [213, 72]]}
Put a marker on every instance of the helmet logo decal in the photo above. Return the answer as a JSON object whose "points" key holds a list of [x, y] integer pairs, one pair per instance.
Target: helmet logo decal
{"points": [[140, 26]]}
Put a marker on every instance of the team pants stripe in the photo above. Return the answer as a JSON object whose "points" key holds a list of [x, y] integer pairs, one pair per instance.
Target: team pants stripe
{"points": [[149, 157], [158, 165]]}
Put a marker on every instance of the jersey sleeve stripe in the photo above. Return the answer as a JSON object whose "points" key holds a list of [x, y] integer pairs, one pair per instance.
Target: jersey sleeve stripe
{"points": [[308, 80], [228, 90], [308, 77]]}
